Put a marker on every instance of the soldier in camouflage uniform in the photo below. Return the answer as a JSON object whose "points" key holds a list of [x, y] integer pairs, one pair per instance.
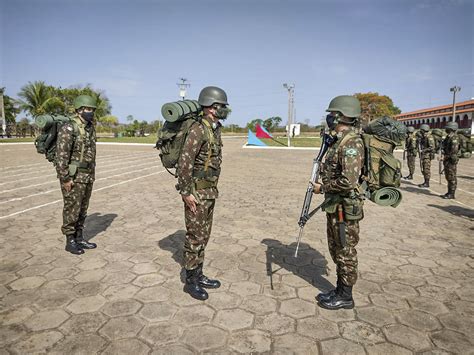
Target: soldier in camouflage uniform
{"points": [[343, 204], [450, 151], [75, 165], [412, 150], [427, 149], [198, 172]]}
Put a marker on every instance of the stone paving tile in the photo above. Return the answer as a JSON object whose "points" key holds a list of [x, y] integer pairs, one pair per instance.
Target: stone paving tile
{"points": [[341, 347], [414, 292]]}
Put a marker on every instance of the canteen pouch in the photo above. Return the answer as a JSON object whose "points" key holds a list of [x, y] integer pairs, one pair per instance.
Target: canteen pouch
{"points": [[352, 207]]}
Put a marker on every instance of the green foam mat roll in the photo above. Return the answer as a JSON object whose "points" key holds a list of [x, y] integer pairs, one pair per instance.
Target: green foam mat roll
{"points": [[387, 196], [44, 122]]}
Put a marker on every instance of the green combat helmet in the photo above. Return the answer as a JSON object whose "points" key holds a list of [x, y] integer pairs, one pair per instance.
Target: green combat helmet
{"points": [[84, 101], [212, 95], [411, 129], [425, 127], [348, 105], [452, 125]]}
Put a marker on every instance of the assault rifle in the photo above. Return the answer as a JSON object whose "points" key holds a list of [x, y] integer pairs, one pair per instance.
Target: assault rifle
{"points": [[328, 140]]}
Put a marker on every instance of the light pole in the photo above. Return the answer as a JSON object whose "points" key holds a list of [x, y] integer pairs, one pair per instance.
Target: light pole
{"points": [[454, 90], [291, 91], [182, 87], [2, 112]]}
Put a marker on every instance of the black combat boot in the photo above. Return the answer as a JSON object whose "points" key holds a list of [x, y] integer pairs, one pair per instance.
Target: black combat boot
{"points": [[409, 177], [425, 184], [449, 195], [84, 244], [72, 246], [327, 295], [192, 286], [341, 299], [204, 281]]}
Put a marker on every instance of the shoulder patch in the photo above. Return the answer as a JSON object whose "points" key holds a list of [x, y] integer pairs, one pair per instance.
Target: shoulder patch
{"points": [[350, 152]]}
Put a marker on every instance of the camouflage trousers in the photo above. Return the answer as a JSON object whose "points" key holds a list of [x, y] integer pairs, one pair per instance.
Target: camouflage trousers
{"points": [[450, 169], [426, 166], [76, 203], [344, 258], [198, 232], [411, 160]]}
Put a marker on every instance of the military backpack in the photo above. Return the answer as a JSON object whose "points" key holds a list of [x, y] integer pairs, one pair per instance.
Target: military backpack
{"points": [[179, 117], [50, 125], [381, 168], [438, 136], [465, 143]]}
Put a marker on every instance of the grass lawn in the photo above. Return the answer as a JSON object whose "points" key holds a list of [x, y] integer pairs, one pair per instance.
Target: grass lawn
{"points": [[16, 140], [295, 142]]}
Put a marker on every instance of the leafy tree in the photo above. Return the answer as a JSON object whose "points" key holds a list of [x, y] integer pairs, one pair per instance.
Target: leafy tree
{"points": [[374, 105], [11, 108], [68, 95], [108, 121], [271, 123], [37, 98], [22, 127], [251, 125]]}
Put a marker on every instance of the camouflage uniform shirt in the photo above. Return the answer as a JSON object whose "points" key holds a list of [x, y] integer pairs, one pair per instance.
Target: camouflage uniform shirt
{"points": [[196, 153], [71, 145]]}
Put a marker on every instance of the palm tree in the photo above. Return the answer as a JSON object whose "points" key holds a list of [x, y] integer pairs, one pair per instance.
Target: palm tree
{"points": [[39, 99]]}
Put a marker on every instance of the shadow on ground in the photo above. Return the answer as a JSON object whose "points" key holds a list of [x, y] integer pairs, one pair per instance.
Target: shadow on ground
{"points": [[466, 177], [457, 211], [310, 264], [97, 223], [174, 244], [410, 187]]}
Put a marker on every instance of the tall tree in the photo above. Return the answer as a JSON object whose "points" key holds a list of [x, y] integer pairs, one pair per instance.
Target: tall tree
{"points": [[374, 105], [37, 98], [11, 107], [69, 94]]}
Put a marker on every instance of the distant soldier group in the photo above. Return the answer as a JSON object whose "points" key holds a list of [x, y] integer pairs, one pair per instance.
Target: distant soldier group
{"points": [[425, 144]]}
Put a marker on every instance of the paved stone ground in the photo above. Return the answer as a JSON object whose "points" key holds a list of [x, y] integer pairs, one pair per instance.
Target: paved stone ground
{"points": [[415, 293]]}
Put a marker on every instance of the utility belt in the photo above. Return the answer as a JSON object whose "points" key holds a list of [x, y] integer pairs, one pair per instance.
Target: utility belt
{"points": [[352, 205], [77, 166]]}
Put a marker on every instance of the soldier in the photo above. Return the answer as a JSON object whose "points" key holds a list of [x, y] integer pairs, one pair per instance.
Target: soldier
{"points": [[450, 150], [411, 149], [427, 149], [198, 172], [75, 165], [343, 203]]}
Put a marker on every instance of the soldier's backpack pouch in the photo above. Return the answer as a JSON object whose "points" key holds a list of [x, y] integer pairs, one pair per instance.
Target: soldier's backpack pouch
{"points": [[390, 171], [352, 207]]}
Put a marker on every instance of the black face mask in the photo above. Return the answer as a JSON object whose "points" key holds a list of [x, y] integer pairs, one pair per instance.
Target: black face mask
{"points": [[331, 120], [88, 116]]}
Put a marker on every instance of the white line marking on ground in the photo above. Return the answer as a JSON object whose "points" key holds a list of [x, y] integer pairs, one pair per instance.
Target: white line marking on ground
{"points": [[52, 181], [15, 199], [278, 148], [100, 189]]}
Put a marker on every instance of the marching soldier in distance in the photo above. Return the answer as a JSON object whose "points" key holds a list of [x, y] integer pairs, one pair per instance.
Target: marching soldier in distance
{"points": [[75, 165], [199, 167], [411, 149], [343, 205], [450, 150], [427, 149]]}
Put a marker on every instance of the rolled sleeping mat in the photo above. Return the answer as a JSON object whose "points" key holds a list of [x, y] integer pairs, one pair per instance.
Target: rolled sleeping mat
{"points": [[175, 111], [386, 196], [45, 122]]}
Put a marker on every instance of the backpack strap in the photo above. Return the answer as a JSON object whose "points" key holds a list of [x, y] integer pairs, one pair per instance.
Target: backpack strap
{"points": [[79, 131], [211, 140]]}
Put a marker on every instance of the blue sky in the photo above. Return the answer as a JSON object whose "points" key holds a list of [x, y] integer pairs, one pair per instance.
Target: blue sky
{"points": [[413, 51]]}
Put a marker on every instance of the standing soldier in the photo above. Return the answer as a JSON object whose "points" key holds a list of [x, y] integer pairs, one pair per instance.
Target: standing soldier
{"points": [[343, 204], [450, 149], [198, 172], [75, 165], [411, 149], [427, 149]]}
